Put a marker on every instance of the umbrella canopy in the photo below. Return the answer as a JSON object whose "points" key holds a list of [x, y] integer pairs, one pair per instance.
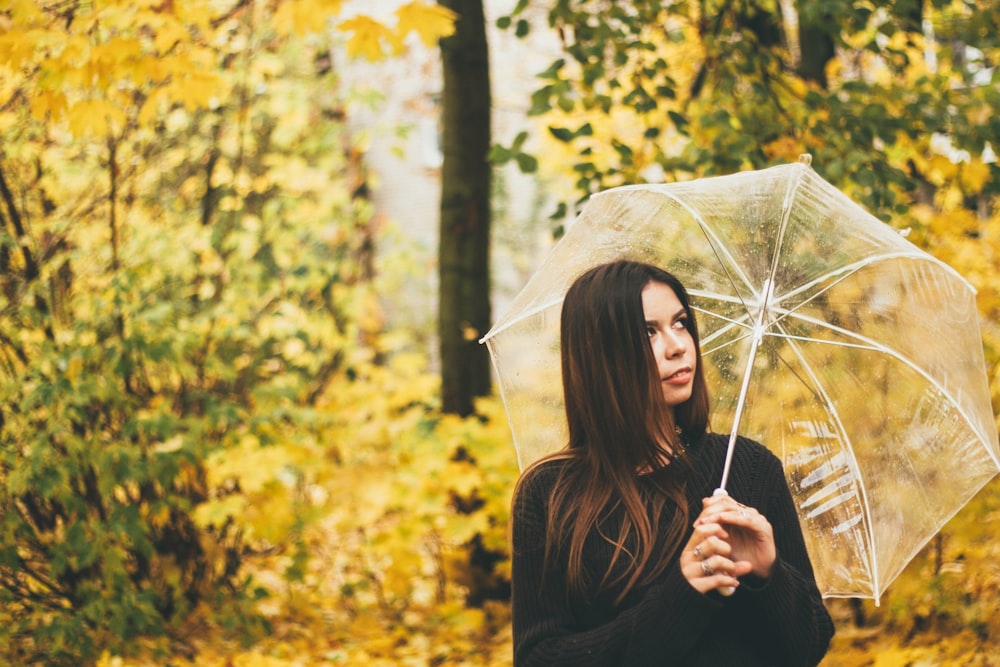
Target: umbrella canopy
{"points": [[827, 336]]}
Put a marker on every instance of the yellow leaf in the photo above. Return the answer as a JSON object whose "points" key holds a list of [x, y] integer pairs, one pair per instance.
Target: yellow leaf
{"points": [[941, 169], [430, 21], [973, 176], [784, 147], [48, 105], [894, 657], [94, 118], [196, 90], [292, 18], [8, 121], [302, 17], [169, 33], [74, 367], [151, 107], [405, 569], [17, 47], [24, 12], [367, 37]]}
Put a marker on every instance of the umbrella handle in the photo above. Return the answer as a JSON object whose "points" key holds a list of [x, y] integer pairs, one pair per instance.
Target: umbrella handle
{"points": [[725, 591]]}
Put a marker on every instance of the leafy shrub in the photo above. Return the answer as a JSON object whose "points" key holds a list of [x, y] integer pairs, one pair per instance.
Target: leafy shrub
{"points": [[185, 284]]}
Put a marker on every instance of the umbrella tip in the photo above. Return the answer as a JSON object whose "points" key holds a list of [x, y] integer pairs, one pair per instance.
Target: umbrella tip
{"points": [[806, 159]]}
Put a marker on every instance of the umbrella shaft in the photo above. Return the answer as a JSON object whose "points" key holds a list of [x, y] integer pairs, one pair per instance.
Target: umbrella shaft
{"points": [[758, 336]]}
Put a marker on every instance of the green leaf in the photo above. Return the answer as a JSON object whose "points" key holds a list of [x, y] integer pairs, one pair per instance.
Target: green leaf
{"points": [[499, 155], [562, 133], [528, 164]]}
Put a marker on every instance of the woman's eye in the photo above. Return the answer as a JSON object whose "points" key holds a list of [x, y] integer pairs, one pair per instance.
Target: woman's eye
{"points": [[681, 324], [650, 331]]}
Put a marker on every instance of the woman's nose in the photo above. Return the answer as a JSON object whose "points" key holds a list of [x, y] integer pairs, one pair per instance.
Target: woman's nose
{"points": [[673, 344]]}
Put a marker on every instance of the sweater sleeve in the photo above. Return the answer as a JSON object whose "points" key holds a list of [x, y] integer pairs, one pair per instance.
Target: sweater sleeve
{"points": [[791, 623], [661, 628]]}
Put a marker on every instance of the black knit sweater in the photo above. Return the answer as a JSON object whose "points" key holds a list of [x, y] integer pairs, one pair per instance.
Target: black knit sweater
{"points": [[780, 621]]}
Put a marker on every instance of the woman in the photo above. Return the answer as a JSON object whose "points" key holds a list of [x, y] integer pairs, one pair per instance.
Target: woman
{"points": [[621, 553]]}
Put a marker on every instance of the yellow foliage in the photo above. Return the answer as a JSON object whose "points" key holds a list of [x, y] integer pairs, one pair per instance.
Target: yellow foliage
{"points": [[940, 169], [949, 196], [152, 107], [48, 104], [954, 222], [95, 118], [367, 37], [18, 47], [787, 148], [302, 17], [430, 21], [196, 89], [168, 32], [24, 12], [973, 175]]}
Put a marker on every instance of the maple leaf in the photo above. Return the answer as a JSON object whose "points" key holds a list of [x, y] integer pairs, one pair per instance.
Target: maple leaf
{"points": [[25, 13], [367, 37], [302, 17], [94, 117], [196, 90], [430, 21]]}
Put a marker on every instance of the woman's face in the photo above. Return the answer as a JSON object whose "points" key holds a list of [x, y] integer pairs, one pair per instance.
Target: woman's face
{"points": [[673, 346]]}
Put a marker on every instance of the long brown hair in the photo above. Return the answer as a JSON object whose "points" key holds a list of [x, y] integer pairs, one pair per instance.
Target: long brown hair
{"points": [[619, 425]]}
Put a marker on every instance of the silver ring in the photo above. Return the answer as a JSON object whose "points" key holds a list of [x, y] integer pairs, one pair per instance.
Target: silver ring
{"points": [[698, 553], [707, 568], [744, 513]]}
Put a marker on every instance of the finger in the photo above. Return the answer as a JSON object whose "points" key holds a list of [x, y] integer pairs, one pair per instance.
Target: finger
{"points": [[730, 512], [711, 546], [704, 530], [718, 565], [719, 574], [713, 573], [722, 504], [717, 504], [741, 515], [718, 501]]}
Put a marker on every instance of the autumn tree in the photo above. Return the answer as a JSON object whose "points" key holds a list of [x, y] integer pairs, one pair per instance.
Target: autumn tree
{"points": [[184, 266], [717, 87], [464, 239]]}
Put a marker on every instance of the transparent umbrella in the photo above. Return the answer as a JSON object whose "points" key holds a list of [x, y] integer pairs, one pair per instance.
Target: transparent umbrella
{"points": [[853, 355]]}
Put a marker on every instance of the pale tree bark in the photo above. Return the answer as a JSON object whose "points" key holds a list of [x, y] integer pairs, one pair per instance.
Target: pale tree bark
{"points": [[463, 255]]}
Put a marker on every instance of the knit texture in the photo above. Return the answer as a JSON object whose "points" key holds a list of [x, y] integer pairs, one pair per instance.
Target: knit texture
{"points": [[778, 622]]}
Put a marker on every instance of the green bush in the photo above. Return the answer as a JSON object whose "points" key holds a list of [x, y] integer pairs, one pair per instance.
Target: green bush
{"points": [[164, 293]]}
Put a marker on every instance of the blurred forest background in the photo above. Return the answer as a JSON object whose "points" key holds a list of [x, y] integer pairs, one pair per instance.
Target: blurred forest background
{"points": [[217, 447]]}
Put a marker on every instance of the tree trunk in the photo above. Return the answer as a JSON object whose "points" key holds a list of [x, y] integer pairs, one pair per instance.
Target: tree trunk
{"points": [[816, 47], [909, 15], [463, 255]]}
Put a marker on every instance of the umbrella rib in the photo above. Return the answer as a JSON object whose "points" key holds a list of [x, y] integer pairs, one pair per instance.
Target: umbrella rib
{"points": [[492, 333], [869, 344], [844, 272], [718, 248], [731, 324], [817, 389]]}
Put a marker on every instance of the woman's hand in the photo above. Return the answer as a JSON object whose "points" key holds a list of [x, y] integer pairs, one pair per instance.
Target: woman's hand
{"points": [[707, 560], [750, 535]]}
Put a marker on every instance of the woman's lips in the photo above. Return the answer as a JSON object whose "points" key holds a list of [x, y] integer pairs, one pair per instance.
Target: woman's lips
{"points": [[683, 376]]}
